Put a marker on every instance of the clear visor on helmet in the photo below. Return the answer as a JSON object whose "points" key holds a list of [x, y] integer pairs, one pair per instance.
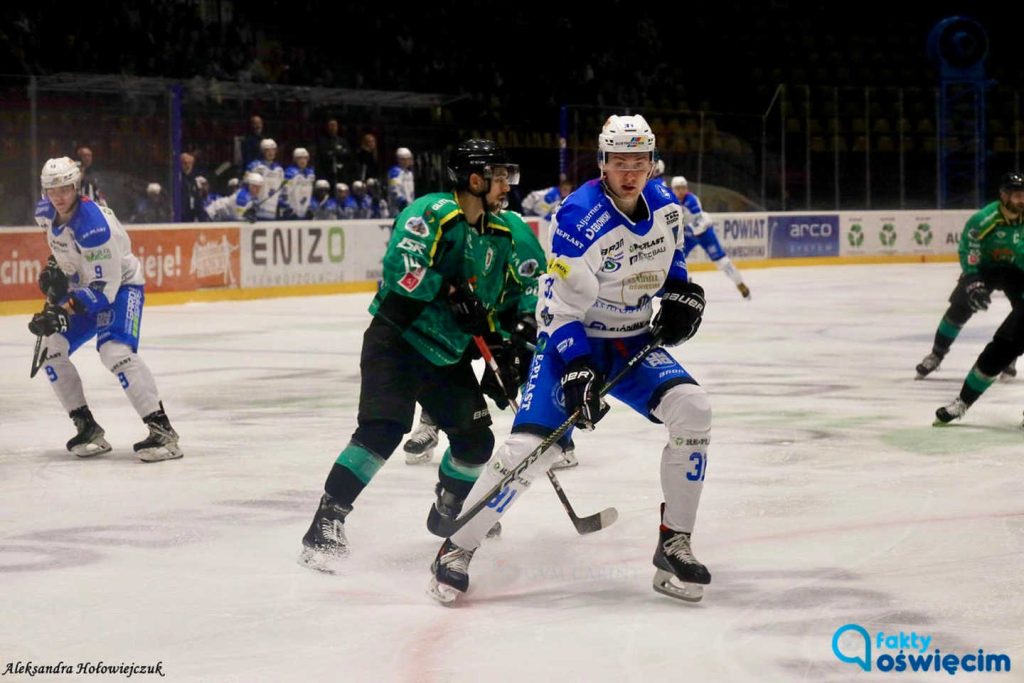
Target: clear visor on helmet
{"points": [[508, 173], [633, 163]]}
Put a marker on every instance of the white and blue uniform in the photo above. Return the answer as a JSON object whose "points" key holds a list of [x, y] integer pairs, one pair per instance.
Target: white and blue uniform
{"points": [[107, 296], [596, 301], [296, 192], [542, 202], [401, 187], [273, 177], [323, 210], [699, 229]]}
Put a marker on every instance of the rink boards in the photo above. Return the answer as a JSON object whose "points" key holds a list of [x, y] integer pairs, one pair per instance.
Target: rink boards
{"points": [[217, 261]]}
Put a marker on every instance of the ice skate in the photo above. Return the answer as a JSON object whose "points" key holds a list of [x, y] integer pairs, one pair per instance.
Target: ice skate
{"points": [[419, 448], [448, 506], [1010, 372], [162, 442], [929, 365], [567, 458], [678, 575], [325, 543], [744, 291], [89, 441], [946, 414], [451, 573]]}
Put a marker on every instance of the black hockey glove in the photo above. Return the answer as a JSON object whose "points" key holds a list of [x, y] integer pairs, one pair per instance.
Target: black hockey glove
{"points": [[525, 331], [524, 340], [978, 296], [53, 319], [682, 306], [468, 311], [508, 369], [581, 385], [250, 214], [53, 282]]}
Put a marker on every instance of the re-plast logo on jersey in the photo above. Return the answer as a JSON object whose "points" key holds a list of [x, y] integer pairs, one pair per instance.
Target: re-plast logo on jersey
{"points": [[901, 652]]}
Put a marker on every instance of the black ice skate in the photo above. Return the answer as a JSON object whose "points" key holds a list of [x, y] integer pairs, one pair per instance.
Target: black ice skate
{"points": [[162, 442], [448, 505], [325, 542], [89, 441], [419, 448], [954, 411], [929, 365], [678, 575], [451, 573]]}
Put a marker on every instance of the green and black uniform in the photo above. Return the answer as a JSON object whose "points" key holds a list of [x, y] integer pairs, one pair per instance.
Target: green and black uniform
{"points": [[990, 251], [415, 351]]}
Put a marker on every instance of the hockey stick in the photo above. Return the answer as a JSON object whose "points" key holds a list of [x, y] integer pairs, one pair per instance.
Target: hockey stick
{"points": [[40, 351], [447, 527], [254, 208], [584, 525], [38, 356]]}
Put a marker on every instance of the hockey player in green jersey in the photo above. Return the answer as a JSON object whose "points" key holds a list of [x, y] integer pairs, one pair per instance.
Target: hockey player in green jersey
{"points": [[982, 260], [992, 257], [519, 327], [444, 275]]}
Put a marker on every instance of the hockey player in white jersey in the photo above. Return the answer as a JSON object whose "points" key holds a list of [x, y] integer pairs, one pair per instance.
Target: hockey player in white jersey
{"points": [[617, 243], [700, 230], [94, 286], [298, 187], [273, 178]]}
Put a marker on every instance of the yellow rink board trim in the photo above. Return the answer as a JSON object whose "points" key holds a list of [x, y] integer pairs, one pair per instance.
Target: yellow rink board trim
{"points": [[23, 307]]}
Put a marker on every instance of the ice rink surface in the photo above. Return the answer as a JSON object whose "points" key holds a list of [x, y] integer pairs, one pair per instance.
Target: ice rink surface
{"points": [[830, 499]]}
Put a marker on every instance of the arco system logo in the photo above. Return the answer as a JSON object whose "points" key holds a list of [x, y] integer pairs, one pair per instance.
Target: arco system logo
{"points": [[901, 652]]}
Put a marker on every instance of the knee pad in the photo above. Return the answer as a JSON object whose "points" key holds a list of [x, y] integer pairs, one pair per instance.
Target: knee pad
{"points": [[685, 408], [380, 437], [116, 356], [472, 447], [58, 351]]}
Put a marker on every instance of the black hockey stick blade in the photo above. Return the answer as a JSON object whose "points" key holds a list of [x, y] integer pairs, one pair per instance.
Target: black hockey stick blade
{"points": [[38, 356], [590, 523]]}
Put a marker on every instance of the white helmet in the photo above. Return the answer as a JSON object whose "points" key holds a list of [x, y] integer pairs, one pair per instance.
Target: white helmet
{"points": [[232, 183], [300, 152], [625, 134], [153, 188], [659, 167], [341, 187], [253, 178], [358, 185], [60, 172], [322, 185], [268, 143], [403, 153], [201, 180], [679, 181]]}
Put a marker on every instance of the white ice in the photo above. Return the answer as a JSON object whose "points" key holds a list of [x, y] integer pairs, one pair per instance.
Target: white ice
{"points": [[830, 499]]}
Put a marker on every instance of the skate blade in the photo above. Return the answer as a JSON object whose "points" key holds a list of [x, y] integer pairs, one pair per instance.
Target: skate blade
{"points": [[666, 583], [327, 563], [168, 452], [88, 450], [419, 458], [443, 593], [1004, 377]]}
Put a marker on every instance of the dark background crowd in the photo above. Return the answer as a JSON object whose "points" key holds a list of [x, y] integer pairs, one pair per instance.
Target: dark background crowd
{"points": [[857, 80]]}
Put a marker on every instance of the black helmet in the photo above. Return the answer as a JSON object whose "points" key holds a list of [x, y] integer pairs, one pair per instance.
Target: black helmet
{"points": [[478, 156], [1011, 182]]}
